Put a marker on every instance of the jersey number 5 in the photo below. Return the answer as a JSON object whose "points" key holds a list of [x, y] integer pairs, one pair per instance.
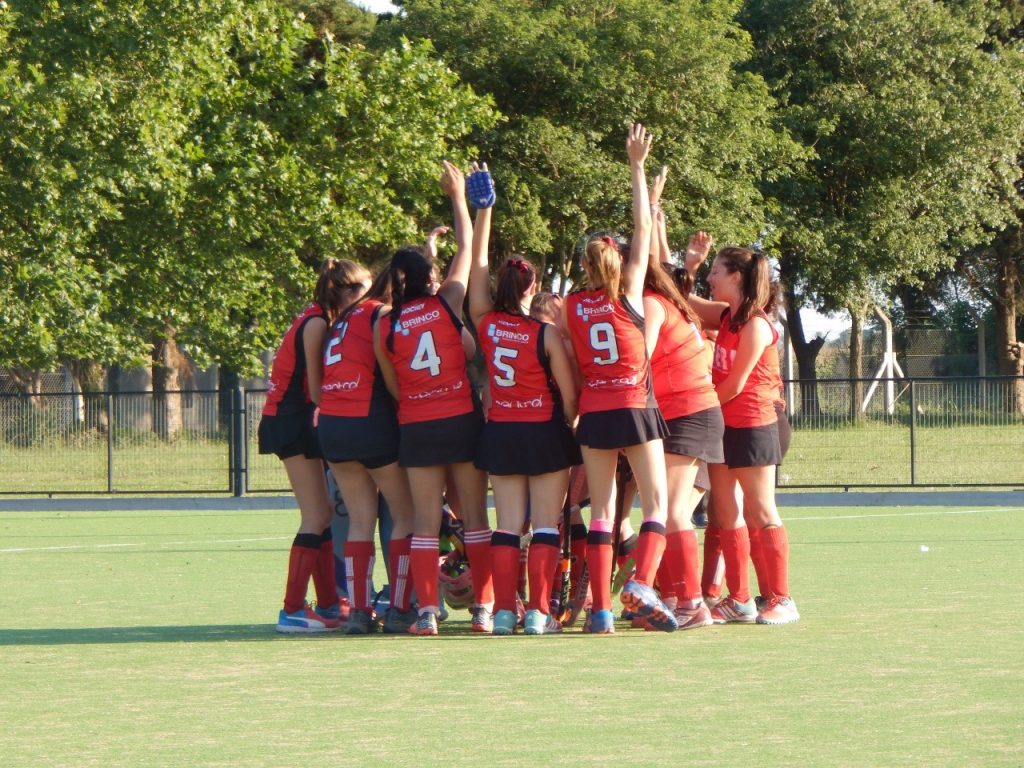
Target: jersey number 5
{"points": [[508, 373], [426, 357], [602, 339]]}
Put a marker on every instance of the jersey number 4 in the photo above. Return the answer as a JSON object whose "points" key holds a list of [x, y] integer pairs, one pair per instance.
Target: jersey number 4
{"points": [[426, 357], [602, 340]]}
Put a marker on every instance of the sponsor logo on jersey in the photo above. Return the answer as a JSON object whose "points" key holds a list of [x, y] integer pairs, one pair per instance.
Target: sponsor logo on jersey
{"points": [[604, 307], [536, 402], [426, 395], [342, 386], [405, 325], [618, 381], [500, 334]]}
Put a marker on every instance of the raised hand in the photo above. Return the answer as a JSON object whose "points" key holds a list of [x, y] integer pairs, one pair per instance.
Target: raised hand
{"points": [[432, 238], [480, 187], [453, 182], [657, 185], [697, 250], [638, 144]]}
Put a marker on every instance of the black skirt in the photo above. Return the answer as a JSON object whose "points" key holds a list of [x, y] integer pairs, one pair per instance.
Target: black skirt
{"points": [[620, 428], [527, 447], [698, 435]]}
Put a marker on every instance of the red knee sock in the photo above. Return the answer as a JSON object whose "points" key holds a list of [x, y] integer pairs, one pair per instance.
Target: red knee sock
{"points": [[542, 562], [736, 549], [478, 552], [757, 557], [690, 588], [775, 546], [359, 560], [599, 564], [664, 581], [324, 580], [401, 583], [711, 579], [504, 569], [423, 556], [670, 572], [649, 549], [302, 561]]}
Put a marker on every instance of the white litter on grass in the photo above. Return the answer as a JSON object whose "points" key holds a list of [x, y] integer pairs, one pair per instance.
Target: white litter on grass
{"points": [[924, 547]]}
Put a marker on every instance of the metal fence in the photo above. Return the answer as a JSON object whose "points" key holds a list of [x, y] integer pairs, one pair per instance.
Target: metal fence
{"points": [[846, 434]]}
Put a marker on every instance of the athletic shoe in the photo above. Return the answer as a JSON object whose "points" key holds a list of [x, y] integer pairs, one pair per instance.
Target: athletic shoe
{"points": [[505, 623], [483, 619], [692, 614], [539, 623], [331, 617], [360, 623], [305, 621], [644, 601], [778, 610], [760, 601], [396, 621], [731, 611], [600, 623], [712, 600], [442, 612], [426, 624]]}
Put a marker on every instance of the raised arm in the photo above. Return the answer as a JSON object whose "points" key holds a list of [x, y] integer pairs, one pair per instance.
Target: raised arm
{"points": [[479, 275], [453, 289], [659, 250], [638, 146]]}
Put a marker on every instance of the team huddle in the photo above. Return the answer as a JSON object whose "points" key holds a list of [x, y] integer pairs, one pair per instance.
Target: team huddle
{"points": [[620, 383]]}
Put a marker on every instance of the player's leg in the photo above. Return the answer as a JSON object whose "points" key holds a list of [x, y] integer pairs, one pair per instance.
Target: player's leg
{"points": [[680, 561], [511, 495], [427, 486], [471, 484], [547, 497]]}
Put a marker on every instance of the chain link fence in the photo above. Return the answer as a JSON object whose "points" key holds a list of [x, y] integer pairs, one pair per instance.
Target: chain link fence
{"points": [[847, 433]]}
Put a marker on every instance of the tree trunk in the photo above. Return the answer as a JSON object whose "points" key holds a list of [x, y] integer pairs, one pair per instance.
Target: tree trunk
{"points": [[91, 377], [806, 356], [856, 362], [169, 368], [1009, 351]]}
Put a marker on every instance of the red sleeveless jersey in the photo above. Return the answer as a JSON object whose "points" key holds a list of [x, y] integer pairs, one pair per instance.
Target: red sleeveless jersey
{"points": [[679, 366], [755, 405], [429, 361], [608, 339], [351, 375], [288, 391], [518, 370]]}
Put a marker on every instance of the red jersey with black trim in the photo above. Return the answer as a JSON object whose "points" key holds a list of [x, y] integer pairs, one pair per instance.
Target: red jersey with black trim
{"points": [[755, 405], [288, 391], [608, 339], [429, 361], [352, 379], [679, 365], [518, 370]]}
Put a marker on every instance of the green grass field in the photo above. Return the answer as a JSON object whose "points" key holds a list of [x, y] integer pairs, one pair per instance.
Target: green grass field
{"points": [[146, 639]]}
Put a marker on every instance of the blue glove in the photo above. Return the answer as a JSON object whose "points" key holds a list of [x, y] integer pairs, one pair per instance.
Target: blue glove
{"points": [[480, 189]]}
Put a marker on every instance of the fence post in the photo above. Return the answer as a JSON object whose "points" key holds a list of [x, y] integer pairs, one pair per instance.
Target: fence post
{"points": [[913, 436], [238, 442], [110, 442]]}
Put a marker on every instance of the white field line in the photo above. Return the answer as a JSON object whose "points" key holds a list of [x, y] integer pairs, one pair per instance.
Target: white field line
{"points": [[162, 544], [932, 513], [281, 538]]}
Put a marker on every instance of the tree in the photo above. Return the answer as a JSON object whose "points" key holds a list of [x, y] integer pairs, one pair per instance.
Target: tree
{"points": [[900, 179], [171, 173], [570, 77]]}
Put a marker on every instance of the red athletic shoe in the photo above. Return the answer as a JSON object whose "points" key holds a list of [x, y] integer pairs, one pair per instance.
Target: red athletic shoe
{"points": [[778, 610]]}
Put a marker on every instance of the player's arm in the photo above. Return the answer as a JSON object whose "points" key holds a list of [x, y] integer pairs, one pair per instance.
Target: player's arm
{"points": [[313, 335], [453, 289], [387, 368], [468, 344], [654, 318], [562, 371], [479, 276], [659, 246], [638, 146], [755, 337]]}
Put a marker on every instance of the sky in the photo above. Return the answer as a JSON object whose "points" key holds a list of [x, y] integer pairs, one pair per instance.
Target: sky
{"points": [[377, 6]]}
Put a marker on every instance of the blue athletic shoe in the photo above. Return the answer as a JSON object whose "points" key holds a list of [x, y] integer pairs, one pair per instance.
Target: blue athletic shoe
{"points": [[305, 621], [505, 623], [644, 601], [600, 623], [540, 623]]}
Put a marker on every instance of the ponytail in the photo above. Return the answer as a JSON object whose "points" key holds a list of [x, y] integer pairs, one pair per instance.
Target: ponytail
{"points": [[338, 279], [658, 280], [515, 277], [603, 260], [758, 291], [408, 278]]}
